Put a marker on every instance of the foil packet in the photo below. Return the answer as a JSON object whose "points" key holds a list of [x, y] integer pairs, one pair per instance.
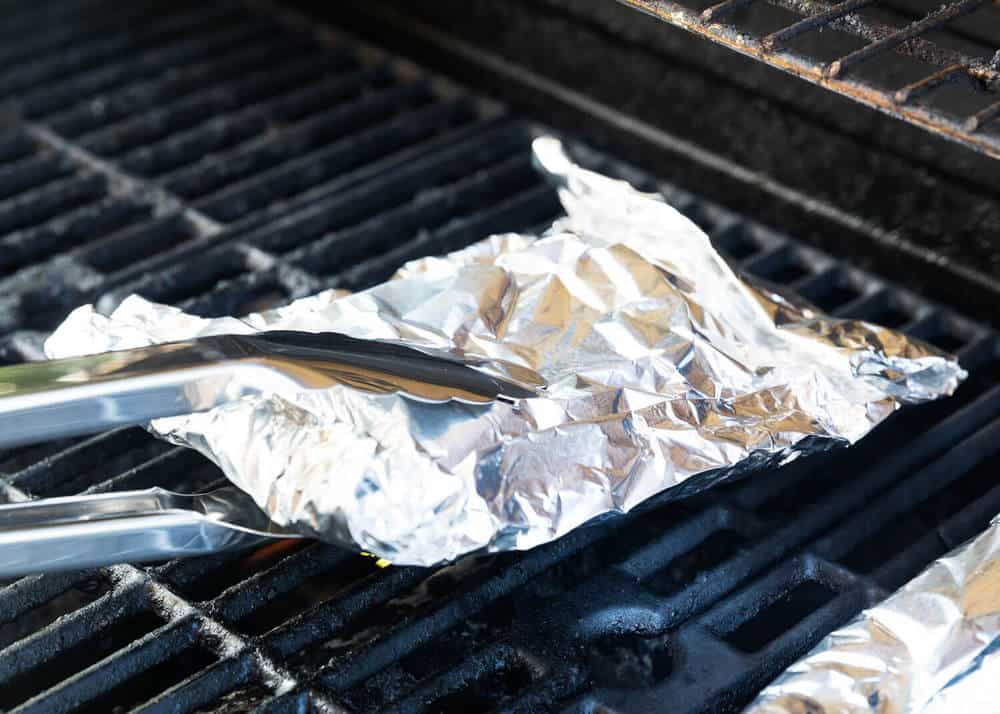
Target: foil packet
{"points": [[656, 367], [933, 647]]}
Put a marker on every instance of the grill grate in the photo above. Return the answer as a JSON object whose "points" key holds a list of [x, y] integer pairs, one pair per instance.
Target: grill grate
{"points": [[934, 65], [211, 160]]}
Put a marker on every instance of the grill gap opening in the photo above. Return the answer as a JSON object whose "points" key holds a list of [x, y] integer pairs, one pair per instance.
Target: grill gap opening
{"points": [[265, 296], [104, 62], [19, 458], [180, 284], [760, 19], [958, 99], [216, 137], [250, 94], [899, 14], [826, 45], [700, 217], [736, 241], [807, 484], [212, 575], [780, 616], [831, 290], [31, 172], [487, 692], [692, 566], [72, 472], [442, 653], [303, 102], [150, 682], [421, 211], [84, 225], [947, 341], [942, 333], [446, 584], [297, 176], [251, 292], [302, 109], [524, 210], [630, 661], [15, 145], [133, 246], [185, 470], [117, 104], [42, 615], [105, 641], [884, 309], [454, 647], [50, 201], [241, 700], [312, 591], [887, 542], [906, 530], [784, 266], [980, 26], [640, 530]]}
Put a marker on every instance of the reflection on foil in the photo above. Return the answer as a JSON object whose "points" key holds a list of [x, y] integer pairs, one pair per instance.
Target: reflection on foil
{"points": [[657, 364], [931, 648]]}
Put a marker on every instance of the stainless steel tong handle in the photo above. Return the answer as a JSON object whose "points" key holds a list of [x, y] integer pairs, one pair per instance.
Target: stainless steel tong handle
{"points": [[83, 395], [136, 526]]}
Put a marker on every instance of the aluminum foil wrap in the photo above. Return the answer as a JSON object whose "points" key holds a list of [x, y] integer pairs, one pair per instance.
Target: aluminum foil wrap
{"points": [[933, 647], [654, 363]]}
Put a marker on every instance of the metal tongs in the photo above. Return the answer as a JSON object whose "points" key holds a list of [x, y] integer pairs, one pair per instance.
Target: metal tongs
{"points": [[83, 395]]}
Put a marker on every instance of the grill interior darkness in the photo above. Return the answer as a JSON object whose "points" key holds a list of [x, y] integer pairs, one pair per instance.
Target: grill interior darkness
{"points": [[934, 64], [207, 157]]}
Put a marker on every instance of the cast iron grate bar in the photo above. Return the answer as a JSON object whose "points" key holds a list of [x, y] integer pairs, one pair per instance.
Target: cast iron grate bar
{"points": [[912, 47], [983, 117], [933, 21], [211, 60], [922, 86], [777, 40], [78, 62]]}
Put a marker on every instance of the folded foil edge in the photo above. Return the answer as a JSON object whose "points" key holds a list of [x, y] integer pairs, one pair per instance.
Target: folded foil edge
{"points": [[933, 647]]}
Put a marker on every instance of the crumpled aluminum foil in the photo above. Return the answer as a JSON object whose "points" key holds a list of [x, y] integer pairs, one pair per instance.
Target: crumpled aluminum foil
{"points": [[933, 647], [657, 364]]}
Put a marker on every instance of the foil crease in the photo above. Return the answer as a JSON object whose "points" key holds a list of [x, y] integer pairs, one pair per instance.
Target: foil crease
{"points": [[654, 363], [933, 647]]}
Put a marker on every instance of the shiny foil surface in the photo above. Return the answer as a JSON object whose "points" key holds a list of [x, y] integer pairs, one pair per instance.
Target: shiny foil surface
{"points": [[656, 368], [933, 647]]}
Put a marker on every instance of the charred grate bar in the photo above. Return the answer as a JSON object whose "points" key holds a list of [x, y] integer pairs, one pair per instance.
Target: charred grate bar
{"points": [[219, 163], [898, 56]]}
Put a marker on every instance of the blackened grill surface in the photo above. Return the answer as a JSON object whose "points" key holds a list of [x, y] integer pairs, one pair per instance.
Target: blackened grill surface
{"points": [[890, 55], [207, 157]]}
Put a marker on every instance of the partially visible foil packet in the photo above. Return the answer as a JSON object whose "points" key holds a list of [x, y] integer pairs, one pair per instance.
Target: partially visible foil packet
{"points": [[931, 648], [657, 368]]}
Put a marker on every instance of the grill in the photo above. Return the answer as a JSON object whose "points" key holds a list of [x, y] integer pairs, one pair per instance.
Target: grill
{"points": [[880, 53], [223, 161]]}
